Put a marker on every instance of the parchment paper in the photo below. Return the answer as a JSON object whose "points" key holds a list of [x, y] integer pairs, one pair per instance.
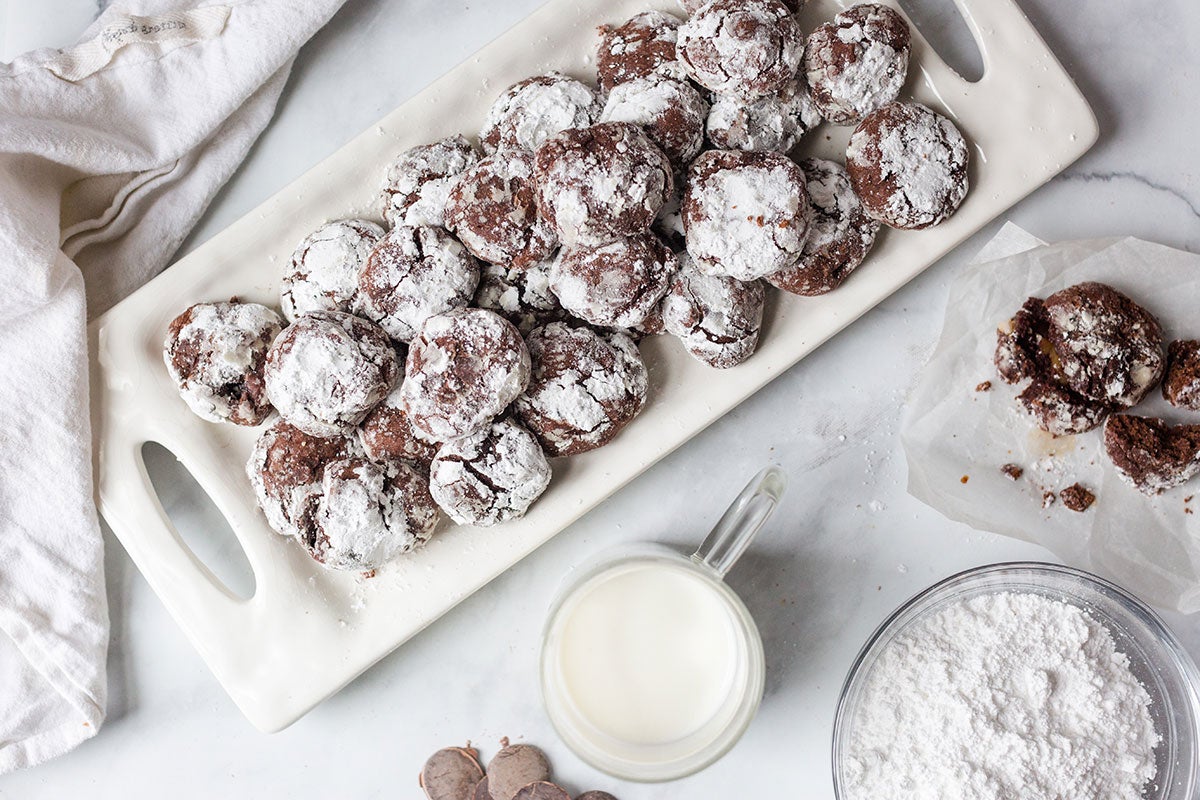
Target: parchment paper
{"points": [[951, 431]]}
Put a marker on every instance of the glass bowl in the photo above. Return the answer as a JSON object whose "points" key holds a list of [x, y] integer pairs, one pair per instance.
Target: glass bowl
{"points": [[1155, 656]]}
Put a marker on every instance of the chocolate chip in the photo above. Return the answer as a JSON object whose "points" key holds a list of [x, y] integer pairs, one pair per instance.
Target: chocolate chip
{"points": [[451, 774]]}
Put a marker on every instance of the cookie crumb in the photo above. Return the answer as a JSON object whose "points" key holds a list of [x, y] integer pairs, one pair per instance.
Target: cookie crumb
{"points": [[1077, 498], [986, 386], [964, 479], [1012, 471], [1048, 499]]}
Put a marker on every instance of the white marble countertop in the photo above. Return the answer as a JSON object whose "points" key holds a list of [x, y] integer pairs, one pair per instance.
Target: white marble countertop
{"points": [[845, 549]]}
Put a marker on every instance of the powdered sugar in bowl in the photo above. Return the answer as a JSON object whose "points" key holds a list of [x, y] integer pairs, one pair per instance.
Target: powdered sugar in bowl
{"points": [[1020, 680]]}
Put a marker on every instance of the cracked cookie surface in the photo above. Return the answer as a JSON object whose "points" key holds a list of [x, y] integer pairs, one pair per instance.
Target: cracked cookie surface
{"points": [[490, 476]]}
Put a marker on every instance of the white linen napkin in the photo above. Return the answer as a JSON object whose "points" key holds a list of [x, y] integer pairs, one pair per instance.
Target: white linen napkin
{"points": [[109, 152]]}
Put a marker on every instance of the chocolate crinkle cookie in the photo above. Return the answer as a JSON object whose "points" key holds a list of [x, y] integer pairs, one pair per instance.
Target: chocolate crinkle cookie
{"points": [[493, 211], [413, 274], [1181, 384], [285, 470], [327, 370], [669, 110], [746, 214], [692, 6], [908, 165], [1087, 349], [641, 46], [1151, 455], [215, 353], [386, 434], [840, 235], [585, 388], [420, 179], [522, 296], [615, 284], [858, 62], [716, 318], [601, 182], [369, 513], [531, 111], [776, 121], [747, 48], [1106, 347], [490, 476], [463, 369], [323, 274]]}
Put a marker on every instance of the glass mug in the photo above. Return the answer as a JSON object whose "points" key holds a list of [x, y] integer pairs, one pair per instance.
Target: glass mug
{"points": [[651, 666]]}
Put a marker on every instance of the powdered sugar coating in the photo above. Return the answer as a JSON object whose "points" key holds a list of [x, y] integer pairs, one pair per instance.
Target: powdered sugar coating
{"points": [[531, 111], [585, 388], [490, 476], [775, 121], [746, 213], [614, 284], [642, 45], [858, 62], [285, 470], [493, 211], [464, 368], [421, 177], [413, 274], [323, 274], [748, 48], [669, 110], [1060, 411], [327, 370], [1181, 380], [692, 6], [521, 296], [716, 318], [370, 513], [386, 434], [1151, 455], [669, 222], [908, 165], [839, 238], [602, 182], [1107, 347], [215, 353]]}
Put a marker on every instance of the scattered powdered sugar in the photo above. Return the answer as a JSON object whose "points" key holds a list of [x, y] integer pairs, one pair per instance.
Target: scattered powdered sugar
{"points": [[774, 122], [323, 275], [216, 356], [413, 274], [370, 513], [420, 179], [463, 369], [490, 476], [326, 371], [531, 111], [999, 696], [746, 214]]}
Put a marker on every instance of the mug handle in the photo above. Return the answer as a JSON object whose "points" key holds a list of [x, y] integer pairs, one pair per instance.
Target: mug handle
{"points": [[740, 523]]}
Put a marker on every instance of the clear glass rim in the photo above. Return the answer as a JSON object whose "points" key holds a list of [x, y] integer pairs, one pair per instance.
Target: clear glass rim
{"points": [[1184, 667], [659, 772]]}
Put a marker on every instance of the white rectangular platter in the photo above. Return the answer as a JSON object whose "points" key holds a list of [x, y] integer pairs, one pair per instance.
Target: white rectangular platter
{"points": [[306, 632]]}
